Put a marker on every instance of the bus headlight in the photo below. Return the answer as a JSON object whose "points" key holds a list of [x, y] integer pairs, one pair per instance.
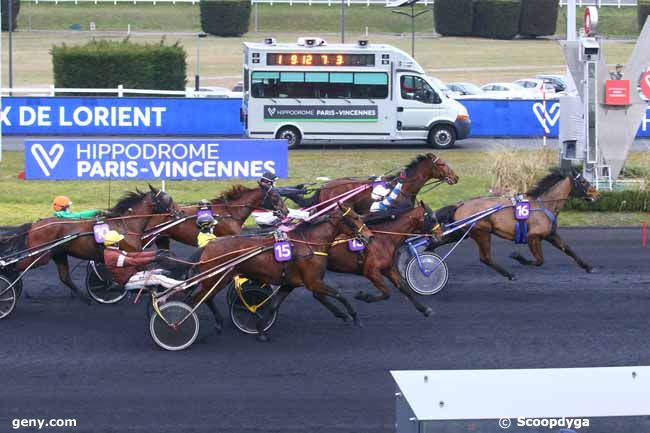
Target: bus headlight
{"points": [[463, 115]]}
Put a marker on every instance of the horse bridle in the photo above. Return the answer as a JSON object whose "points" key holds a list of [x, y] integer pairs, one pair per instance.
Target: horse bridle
{"points": [[358, 230], [578, 186]]}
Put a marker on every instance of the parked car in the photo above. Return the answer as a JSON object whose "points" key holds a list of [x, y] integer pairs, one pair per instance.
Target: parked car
{"points": [[505, 90], [536, 87], [237, 90], [467, 90], [444, 88], [558, 82]]}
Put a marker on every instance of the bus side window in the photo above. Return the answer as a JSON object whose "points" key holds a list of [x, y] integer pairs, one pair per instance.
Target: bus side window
{"points": [[417, 89]]}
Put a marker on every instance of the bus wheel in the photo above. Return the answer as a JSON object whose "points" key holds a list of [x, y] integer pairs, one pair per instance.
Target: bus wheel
{"points": [[442, 137], [291, 134]]}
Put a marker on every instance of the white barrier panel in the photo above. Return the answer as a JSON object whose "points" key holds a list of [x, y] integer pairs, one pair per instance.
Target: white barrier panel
{"points": [[579, 393]]}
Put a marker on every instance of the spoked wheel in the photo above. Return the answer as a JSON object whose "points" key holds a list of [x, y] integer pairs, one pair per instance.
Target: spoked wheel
{"points": [[404, 256], [242, 317], [100, 286], [7, 297], [418, 280], [170, 333]]}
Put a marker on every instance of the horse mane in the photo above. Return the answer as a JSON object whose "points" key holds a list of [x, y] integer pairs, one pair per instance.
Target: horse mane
{"points": [[387, 215], [413, 164], [234, 193], [546, 183], [128, 201]]}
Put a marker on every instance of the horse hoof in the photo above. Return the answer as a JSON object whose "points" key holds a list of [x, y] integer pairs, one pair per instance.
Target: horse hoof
{"points": [[358, 323], [344, 318], [263, 338], [512, 277], [361, 296], [515, 256], [218, 328], [591, 270], [428, 312]]}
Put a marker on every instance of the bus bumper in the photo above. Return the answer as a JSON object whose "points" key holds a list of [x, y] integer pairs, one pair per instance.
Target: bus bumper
{"points": [[463, 128]]}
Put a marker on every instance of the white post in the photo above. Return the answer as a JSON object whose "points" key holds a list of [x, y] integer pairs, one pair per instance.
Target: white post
{"points": [[162, 185], [0, 79], [571, 34], [545, 125]]}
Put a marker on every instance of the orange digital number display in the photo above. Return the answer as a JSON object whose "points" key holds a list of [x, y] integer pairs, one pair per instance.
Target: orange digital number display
{"points": [[322, 59]]}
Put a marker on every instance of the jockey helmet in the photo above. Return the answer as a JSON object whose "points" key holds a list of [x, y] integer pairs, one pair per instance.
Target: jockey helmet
{"points": [[61, 202], [112, 237], [268, 179], [205, 221]]}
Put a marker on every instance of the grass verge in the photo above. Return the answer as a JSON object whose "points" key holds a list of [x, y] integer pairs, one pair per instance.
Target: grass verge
{"points": [[22, 201]]}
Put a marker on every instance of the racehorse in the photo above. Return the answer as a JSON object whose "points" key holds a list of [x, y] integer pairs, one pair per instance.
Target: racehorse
{"points": [[547, 199], [418, 172], [129, 216], [377, 259], [310, 243], [230, 209]]}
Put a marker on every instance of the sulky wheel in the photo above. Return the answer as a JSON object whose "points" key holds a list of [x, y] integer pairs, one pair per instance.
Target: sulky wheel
{"points": [[242, 317], [177, 331], [404, 256], [8, 297], [422, 284], [100, 285]]}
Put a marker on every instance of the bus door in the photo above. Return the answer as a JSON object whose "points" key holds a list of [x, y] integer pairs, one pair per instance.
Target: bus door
{"points": [[417, 105]]}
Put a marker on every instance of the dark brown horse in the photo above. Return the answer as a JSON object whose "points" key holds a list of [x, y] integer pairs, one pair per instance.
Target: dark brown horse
{"points": [[418, 172], [230, 209], [310, 244], [547, 199], [377, 260], [129, 216]]}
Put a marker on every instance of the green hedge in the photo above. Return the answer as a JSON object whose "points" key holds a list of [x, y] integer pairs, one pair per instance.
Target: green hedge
{"points": [[496, 19], [453, 17], [225, 18], [106, 64], [642, 12], [538, 17], [5, 15], [614, 201]]}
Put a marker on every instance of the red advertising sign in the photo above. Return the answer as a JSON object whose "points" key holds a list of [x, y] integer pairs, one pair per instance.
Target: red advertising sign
{"points": [[617, 92], [645, 85]]}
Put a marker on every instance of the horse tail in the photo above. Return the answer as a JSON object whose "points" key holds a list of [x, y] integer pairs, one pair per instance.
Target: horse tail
{"points": [[13, 239], [299, 198]]}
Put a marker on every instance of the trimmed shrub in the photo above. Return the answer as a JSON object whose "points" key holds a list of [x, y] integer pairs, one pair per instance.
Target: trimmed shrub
{"points": [[642, 12], [496, 19], [453, 17], [538, 17], [225, 18], [107, 64], [5, 13], [614, 201]]}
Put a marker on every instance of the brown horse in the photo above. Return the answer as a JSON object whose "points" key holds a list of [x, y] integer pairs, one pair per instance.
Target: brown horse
{"points": [[129, 216], [418, 172], [310, 243], [547, 199], [377, 260], [230, 209]]}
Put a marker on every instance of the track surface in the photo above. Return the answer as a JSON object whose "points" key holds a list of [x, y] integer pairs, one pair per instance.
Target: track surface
{"points": [[63, 359]]}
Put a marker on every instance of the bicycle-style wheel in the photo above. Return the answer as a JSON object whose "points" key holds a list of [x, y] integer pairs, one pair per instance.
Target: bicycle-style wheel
{"points": [[404, 256], [8, 297], [170, 333], [100, 286], [424, 284], [243, 318]]}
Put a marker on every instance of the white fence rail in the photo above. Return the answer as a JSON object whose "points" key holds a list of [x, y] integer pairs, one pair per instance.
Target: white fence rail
{"points": [[120, 91], [599, 3]]}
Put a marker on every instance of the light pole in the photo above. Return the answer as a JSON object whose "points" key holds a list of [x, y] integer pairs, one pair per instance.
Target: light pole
{"points": [[342, 21], [411, 14], [198, 61], [10, 28]]}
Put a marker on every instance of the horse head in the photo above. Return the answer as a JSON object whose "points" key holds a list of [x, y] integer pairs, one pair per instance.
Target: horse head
{"points": [[582, 188], [441, 170]]}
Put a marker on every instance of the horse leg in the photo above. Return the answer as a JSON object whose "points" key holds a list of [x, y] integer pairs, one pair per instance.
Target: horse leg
{"points": [[535, 245], [61, 261], [321, 287], [331, 307], [277, 300], [560, 244], [218, 318], [394, 276], [483, 242], [377, 279]]}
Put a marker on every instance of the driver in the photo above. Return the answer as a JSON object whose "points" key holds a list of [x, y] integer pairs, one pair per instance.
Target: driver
{"points": [[128, 269], [61, 206], [385, 200], [267, 181], [268, 219], [205, 223]]}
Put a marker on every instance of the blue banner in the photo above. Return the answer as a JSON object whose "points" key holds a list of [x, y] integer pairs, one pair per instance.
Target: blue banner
{"points": [[142, 159], [521, 118], [120, 116], [215, 116]]}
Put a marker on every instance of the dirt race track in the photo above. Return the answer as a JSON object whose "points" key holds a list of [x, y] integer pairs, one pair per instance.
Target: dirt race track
{"points": [[63, 359]]}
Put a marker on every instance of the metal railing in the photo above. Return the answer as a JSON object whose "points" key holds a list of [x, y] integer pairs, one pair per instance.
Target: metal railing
{"points": [[599, 3], [120, 91]]}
